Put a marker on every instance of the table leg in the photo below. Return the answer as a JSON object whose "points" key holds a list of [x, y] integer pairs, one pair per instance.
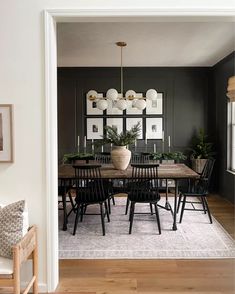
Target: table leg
{"points": [[175, 206], [167, 205]]}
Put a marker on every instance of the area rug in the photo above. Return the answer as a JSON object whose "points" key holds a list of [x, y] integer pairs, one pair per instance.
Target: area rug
{"points": [[195, 238]]}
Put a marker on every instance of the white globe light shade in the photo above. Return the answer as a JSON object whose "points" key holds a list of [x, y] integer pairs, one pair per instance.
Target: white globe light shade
{"points": [[151, 94], [92, 95], [102, 104], [130, 94], [121, 104], [140, 104], [112, 94]]}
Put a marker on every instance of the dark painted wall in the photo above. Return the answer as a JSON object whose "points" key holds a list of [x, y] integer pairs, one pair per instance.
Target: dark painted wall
{"points": [[185, 99], [220, 74], [193, 98]]}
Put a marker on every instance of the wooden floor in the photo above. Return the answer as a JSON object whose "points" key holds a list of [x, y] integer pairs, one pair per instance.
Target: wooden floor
{"points": [[154, 276]]}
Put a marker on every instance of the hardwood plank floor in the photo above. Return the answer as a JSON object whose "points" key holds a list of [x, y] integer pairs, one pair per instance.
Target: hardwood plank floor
{"points": [[154, 276]]}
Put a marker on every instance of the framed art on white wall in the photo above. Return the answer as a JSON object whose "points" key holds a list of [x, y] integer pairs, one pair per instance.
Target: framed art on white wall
{"points": [[6, 135], [94, 128], [115, 122], [155, 106], [131, 121], [154, 127]]}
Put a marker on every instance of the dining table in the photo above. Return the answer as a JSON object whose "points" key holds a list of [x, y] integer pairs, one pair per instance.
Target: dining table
{"points": [[174, 171]]}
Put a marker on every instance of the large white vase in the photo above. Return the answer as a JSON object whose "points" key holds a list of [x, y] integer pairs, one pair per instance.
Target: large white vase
{"points": [[120, 157]]}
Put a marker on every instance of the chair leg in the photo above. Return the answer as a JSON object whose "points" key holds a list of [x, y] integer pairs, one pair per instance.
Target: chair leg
{"points": [[182, 209], [158, 218], [102, 218], [179, 201], [109, 206], [132, 211], [82, 211], [208, 210], [127, 205], [151, 208], [203, 204], [76, 221], [107, 210], [113, 200], [35, 270]]}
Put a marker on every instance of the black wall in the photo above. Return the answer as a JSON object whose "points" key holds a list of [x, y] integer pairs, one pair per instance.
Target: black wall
{"points": [[220, 74], [194, 97], [185, 93]]}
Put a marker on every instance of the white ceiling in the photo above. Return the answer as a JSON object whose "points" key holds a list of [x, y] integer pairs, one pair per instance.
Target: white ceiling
{"points": [[148, 44]]}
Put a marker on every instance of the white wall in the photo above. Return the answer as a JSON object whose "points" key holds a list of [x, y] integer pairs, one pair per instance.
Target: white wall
{"points": [[22, 84]]}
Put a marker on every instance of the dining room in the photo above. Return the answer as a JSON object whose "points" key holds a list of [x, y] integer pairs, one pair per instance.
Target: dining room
{"points": [[112, 78]]}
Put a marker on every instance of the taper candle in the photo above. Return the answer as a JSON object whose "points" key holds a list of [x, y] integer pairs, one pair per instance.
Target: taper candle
{"points": [[146, 138], [154, 148], [92, 145], [169, 141], [78, 144], [102, 148], [85, 142], [162, 136]]}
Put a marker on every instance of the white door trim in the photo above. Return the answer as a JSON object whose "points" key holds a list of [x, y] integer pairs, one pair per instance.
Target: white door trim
{"points": [[51, 17]]}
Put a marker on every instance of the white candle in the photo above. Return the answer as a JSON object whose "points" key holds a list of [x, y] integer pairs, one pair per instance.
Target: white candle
{"points": [[92, 145], [111, 145], [154, 148], [169, 141], [78, 144], [85, 142], [146, 138], [162, 136], [102, 148], [135, 143]]}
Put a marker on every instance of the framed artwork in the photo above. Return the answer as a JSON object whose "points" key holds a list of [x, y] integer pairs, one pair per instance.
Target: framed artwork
{"points": [[6, 135], [112, 109], [154, 127], [117, 122], [94, 128], [155, 106], [91, 107], [131, 121], [131, 109]]}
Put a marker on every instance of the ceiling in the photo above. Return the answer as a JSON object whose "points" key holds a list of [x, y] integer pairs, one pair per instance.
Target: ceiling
{"points": [[148, 43]]}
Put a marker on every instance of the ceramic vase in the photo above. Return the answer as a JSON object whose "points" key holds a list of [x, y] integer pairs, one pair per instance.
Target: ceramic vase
{"points": [[120, 157]]}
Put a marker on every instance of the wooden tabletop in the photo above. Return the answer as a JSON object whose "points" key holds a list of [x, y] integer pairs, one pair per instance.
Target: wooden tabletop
{"points": [[165, 171]]}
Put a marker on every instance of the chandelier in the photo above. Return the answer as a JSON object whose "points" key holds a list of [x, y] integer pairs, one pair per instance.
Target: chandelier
{"points": [[119, 100]]}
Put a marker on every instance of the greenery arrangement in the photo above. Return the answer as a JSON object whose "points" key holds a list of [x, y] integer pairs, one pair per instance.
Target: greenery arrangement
{"points": [[70, 157], [201, 148], [122, 139], [177, 156]]}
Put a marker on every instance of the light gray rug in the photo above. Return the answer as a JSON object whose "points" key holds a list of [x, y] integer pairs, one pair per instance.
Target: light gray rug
{"points": [[195, 238]]}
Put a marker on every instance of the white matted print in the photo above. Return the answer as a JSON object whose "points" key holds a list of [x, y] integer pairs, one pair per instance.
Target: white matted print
{"points": [[94, 128], [91, 106], [155, 106], [6, 136], [115, 122], [154, 127], [131, 121]]}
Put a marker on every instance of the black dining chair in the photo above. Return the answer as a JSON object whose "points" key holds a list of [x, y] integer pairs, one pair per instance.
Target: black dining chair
{"points": [[198, 191], [144, 189], [90, 190], [105, 158]]}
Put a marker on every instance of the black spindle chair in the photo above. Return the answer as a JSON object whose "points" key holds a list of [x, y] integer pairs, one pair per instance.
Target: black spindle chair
{"points": [[144, 189], [90, 190], [199, 191], [105, 158]]}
